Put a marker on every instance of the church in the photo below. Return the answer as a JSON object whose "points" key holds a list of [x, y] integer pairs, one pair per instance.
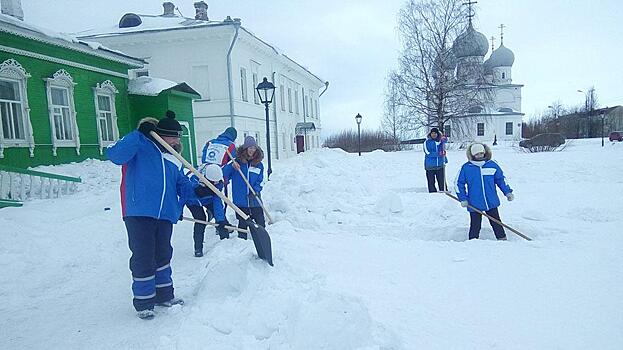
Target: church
{"points": [[495, 114]]}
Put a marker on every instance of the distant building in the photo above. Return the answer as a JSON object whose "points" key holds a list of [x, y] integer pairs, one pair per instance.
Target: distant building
{"points": [[587, 124], [225, 62]]}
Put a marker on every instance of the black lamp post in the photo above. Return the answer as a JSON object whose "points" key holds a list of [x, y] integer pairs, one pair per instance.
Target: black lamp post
{"points": [[358, 120], [266, 90], [603, 116]]}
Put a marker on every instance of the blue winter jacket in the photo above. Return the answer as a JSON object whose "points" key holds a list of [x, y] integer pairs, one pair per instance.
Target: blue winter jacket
{"points": [[151, 180], [215, 151], [480, 178], [218, 209], [255, 175], [432, 154]]}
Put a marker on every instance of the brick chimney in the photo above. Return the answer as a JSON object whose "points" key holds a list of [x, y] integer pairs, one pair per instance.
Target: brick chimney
{"points": [[13, 8], [201, 11], [169, 9]]}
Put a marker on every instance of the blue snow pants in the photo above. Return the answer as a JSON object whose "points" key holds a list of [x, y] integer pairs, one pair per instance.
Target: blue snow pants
{"points": [[150, 242]]}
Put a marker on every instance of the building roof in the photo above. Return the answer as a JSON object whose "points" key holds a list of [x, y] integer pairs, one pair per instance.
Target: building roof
{"points": [[501, 57], [132, 23], [470, 43], [18, 27], [149, 86]]}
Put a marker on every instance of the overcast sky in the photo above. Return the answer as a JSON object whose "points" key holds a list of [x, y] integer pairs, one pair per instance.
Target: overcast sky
{"points": [[560, 46]]}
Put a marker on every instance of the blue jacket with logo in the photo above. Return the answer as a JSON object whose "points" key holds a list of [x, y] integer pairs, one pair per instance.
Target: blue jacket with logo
{"points": [[433, 159], [481, 178], [218, 209], [255, 175], [151, 180], [215, 151]]}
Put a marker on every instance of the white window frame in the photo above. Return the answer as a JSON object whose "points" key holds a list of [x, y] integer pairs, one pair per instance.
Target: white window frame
{"points": [[283, 141], [11, 70], [256, 97], [289, 99], [107, 89], [282, 94], [506, 128], [63, 80], [296, 101], [316, 109], [243, 84]]}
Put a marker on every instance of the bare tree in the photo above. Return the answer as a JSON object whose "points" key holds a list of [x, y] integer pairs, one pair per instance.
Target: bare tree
{"points": [[430, 89], [393, 121]]}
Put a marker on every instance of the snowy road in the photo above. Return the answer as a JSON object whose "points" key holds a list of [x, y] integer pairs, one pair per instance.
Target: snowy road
{"points": [[364, 259]]}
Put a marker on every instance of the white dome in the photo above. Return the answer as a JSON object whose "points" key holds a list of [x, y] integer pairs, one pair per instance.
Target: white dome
{"points": [[501, 57]]}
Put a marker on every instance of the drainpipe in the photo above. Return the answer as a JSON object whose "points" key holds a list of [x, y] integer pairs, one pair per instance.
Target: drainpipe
{"points": [[275, 114], [236, 24], [326, 87]]}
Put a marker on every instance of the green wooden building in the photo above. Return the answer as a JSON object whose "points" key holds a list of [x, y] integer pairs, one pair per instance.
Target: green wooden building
{"points": [[64, 100]]}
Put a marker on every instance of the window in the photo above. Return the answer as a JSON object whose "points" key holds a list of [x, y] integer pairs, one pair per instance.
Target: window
{"points": [[283, 141], [282, 95], [509, 128], [503, 75], [292, 142], [311, 107], [106, 114], [296, 101], [60, 91], [256, 98], [15, 129], [257, 138], [201, 80], [290, 100], [447, 131], [316, 109], [243, 84], [481, 129]]}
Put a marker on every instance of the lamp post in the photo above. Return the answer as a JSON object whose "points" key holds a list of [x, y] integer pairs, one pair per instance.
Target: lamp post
{"points": [[358, 120], [588, 113], [266, 90], [603, 116]]}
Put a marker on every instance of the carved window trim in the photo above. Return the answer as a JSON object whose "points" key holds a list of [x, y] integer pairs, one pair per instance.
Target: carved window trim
{"points": [[11, 70]]}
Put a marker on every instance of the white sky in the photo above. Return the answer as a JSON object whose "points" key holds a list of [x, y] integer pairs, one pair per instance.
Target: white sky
{"points": [[560, 46]]}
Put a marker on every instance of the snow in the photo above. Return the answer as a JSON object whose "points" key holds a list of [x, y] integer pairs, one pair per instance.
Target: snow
{"points": [[149, 23], [364, 257], [149, 86]]}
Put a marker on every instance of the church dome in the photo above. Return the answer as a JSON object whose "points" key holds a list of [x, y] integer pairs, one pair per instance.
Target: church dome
{"points": [[470, 43], [501, 57], [486, 66], [447, 60]]}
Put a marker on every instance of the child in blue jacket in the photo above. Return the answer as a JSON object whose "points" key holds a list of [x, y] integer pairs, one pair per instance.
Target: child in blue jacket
{"points": [[152, 181], [249, 160], [476, 186], [435, 160], [212, 205]]}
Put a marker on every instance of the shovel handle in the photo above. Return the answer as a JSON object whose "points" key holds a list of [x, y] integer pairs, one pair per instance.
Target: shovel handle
{"points": [[198, 174], [490, 217], [270, 220], [215, 224]]}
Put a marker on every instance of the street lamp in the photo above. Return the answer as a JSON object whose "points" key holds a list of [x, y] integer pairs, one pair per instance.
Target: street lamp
{"points": [[602, 114], [358, 120], [266, 90], [588, 113]]}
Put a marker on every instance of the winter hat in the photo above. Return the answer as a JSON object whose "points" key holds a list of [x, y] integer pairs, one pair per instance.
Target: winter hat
{"points": [[435, 130], [168, 126], [230, 133], [249, 141], [477, 148], [213, 173]]}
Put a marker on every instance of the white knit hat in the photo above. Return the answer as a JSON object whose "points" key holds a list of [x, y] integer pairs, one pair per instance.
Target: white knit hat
{"points": [[477, 148], [213, 172]]}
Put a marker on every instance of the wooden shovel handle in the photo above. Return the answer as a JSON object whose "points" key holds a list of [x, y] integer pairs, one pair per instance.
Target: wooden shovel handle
{"points": [[215, 224], [199, 175]]}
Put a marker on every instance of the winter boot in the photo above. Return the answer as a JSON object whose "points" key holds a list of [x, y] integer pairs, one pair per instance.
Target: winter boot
{"points": [[503, 239], [146, 314], [169, 303], [198, 253]]}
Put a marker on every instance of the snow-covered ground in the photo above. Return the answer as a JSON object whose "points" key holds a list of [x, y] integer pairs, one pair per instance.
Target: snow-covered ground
{"points": [[364, 259]]}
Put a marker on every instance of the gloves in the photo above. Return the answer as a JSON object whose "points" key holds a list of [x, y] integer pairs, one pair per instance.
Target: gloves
{"points": [[464, 204], [442, 153], [510, 197], [146, 127], [202, 191]]}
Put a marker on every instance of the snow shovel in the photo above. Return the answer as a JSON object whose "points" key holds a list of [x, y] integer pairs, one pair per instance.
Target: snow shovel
{"points": [[490, 218], [270, 220], [215, 224], [260, 236]]}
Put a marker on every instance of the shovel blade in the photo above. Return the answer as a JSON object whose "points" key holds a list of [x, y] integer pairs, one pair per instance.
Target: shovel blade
{"points": [[261, 240]]}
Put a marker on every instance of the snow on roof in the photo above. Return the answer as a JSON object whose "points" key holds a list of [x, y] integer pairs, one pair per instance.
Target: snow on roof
{"points": [[148, 23], [18, 27], [149, 86]]}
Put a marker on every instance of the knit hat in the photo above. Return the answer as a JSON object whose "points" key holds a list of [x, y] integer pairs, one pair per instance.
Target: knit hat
{"points": [[213, 172], [477, 148], [249, 141], [435, 130], [230, 133], [168, 126]]}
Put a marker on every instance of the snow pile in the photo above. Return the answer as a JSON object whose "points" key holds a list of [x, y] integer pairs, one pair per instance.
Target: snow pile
{"points": [[364, 257], [149, 86]]}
